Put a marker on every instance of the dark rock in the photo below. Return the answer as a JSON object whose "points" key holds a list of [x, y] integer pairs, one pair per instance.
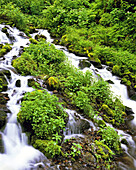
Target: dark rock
{"points": [[5, 72], [124, 141], [128, 110], [131, 93], [83, 125], [1, 144], [18, 83], [110, 82], [38, 36], [3, 117], [96, 63], [21, 50], [11, 37], [88, 158], [84, 63], [3, 98], [130, 117]]}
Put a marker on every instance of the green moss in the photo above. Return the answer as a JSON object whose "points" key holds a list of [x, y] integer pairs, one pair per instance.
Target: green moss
{"points": [[109, 63], [107, 110], [116, 70], [48, 147], [104, 150], [128, 83], [7, 47], [33, 41], [101, 123], [2, 52]]}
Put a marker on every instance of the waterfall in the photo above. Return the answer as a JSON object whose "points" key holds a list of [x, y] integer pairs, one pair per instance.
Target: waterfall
{"points": [[18, 155]]}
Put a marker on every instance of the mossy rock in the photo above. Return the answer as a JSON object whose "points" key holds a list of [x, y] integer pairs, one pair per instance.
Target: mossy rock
{"points": [[109, 63], [124, 80], [5, 30], [48, 147], [96, 62], [106, 118], [1, 144], [33, 41], [107, 110], [3, 84], [38, 37], [116, 70], [84, 63], [3, 117], [101, 123], [2, 52], [7, 47]]}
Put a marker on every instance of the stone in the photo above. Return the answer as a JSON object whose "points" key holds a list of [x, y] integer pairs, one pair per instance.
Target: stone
{"points": [[131, 93], [128, 110], [95, 63], [84, 63], [1, 144], [124, 141], [3, 117], [18, 83], [110, 81]]}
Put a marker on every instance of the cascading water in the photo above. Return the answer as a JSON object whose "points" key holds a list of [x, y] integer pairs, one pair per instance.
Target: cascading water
{"points": [[18, 155], [128, 161]]}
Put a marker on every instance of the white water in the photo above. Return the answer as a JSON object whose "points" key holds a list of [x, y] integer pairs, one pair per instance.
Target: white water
{"points": [[18, 154], [119, 90]]}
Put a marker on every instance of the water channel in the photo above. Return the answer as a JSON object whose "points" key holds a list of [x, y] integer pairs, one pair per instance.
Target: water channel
{"points": [[18, 155]]}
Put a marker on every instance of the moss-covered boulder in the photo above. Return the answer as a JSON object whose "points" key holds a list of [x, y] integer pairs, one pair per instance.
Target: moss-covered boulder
{"points": [[96, 62], [1, 144], [107, 110], [3, 116], [116, 70], [48, 147]]}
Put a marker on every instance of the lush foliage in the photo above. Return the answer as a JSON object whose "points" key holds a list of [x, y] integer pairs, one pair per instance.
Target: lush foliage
{"points": [[87, 94], [110, 138], [44, 114]]}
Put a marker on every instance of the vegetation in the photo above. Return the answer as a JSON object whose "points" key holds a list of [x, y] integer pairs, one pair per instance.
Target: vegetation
{"points": [[102, 30]]}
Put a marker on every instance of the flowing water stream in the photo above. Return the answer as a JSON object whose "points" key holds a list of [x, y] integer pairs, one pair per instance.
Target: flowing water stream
{"points": [[18, 155]]}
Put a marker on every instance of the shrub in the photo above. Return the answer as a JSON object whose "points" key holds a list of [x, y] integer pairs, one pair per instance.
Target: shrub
{"points": [[43, 113], [111, 138]]}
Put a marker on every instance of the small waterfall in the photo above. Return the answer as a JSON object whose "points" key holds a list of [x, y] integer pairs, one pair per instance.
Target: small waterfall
{"points": [[118, 89], [18, 155]]}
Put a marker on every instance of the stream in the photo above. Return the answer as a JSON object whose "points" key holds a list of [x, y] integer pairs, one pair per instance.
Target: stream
{"points": [[18, 155]]}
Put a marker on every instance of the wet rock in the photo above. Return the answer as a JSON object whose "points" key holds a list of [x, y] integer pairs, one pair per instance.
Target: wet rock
{"points": [[5, 72], [3, 98], [124, 141], [3, 83], [96, 63], [110, 81], [1, 144], [21, 50], [40, 36], [128, 110], [83, 125], [131, 93], [18, 83], [5, 30], [3, 117], [84, 63], [88, 158], [130, 117]]}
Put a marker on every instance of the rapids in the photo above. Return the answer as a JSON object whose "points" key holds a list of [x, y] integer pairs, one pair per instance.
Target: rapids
{"points": [[18, 155]]}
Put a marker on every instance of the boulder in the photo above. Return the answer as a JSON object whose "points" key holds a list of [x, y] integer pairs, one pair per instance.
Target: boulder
{"points": [[131, 93], [128, 110], [84, 63]]}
